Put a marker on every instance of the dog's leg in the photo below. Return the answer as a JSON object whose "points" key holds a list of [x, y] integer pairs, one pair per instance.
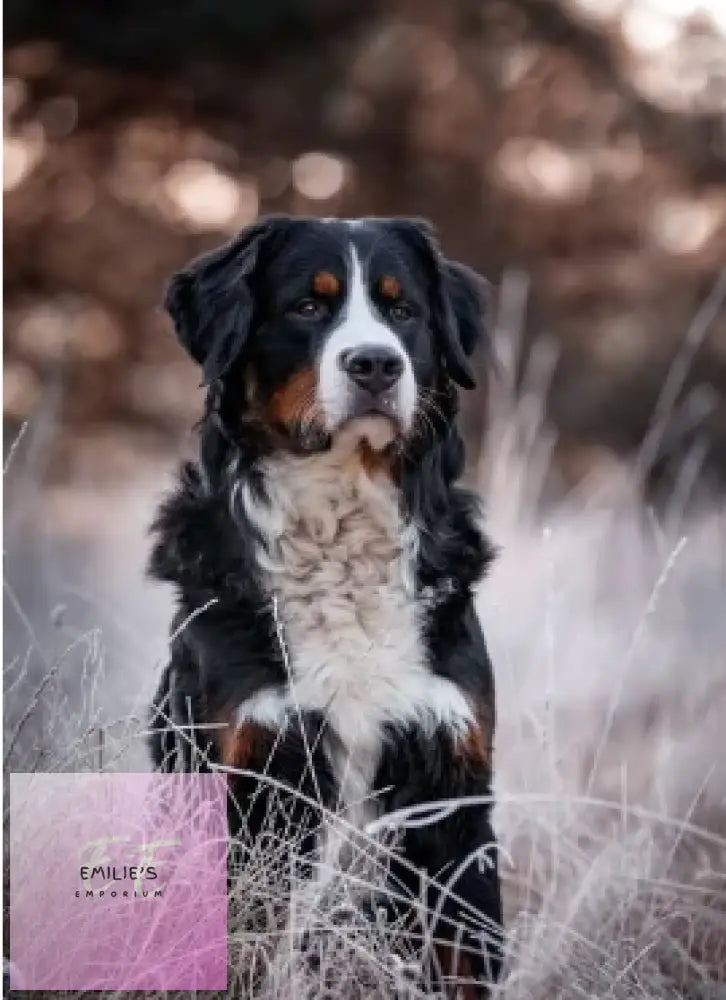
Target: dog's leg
{"points": [[469, 929], [279, 808], [447, 859], [463, 914], [167, 748]]}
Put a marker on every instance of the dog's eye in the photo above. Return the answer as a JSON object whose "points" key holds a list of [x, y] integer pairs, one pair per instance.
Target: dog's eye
{"points": [[400, 312], [309, 309]]}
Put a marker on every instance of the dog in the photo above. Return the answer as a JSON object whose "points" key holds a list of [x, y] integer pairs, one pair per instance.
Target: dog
{"points": [[324, 558]]}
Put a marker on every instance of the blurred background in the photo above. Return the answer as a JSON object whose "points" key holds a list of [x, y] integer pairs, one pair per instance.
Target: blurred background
{"points": [[574, 151], [580, 142]]}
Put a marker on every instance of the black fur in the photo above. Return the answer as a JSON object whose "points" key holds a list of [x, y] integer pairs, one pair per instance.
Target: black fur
{"points": [[229, 309]]}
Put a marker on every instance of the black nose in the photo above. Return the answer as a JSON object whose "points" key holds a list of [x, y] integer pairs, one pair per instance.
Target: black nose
{"points": [[372, 367]]}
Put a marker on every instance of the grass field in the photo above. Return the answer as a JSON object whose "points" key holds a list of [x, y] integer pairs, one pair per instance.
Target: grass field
{"points": [[607, 627]]}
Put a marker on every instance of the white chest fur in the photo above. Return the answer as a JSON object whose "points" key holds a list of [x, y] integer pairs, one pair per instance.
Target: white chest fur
{"points": [[340, 561]]}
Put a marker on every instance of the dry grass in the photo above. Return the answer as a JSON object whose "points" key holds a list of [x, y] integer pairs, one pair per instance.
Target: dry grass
{"points": [[607, 628]]}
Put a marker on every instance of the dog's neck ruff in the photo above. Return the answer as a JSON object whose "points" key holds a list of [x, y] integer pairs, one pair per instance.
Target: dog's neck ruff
{"points": [[340, 561]]}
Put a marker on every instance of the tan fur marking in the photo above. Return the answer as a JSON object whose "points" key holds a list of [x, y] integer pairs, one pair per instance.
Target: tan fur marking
{"points": [[296, 399], [325, 283], [476, 745], [372, 461], [390, 287], [473, 746], [456, 969], [238, 743]]}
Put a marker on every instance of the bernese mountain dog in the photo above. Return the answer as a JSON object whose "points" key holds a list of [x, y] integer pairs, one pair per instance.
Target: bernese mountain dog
{"points": [[324, 558]]}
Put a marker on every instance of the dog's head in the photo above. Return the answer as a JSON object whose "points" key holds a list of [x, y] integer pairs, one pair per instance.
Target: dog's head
{"points": [[322, 328]]}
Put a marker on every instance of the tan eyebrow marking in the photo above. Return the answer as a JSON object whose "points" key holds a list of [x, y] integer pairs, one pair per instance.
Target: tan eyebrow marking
{"points": [[325, 283], [390, 287]]}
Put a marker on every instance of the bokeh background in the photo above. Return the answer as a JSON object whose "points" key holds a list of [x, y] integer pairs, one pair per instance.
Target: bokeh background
{"points": [[574, 151], [580, 141]]}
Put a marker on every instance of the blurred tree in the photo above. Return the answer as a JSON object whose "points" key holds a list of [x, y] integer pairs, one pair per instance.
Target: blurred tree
{"points": [[584, 147]]}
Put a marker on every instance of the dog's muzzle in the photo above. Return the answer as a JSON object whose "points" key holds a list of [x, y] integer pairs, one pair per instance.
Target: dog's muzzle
{"points": [[373, 372]]}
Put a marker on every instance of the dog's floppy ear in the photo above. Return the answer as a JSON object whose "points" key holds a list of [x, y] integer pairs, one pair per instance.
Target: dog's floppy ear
{"points": [[211, 303], [460, 298], [467, 296]]}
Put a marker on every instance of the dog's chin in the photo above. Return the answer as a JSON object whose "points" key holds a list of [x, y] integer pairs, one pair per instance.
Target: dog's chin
{"points": [[376, 430]]}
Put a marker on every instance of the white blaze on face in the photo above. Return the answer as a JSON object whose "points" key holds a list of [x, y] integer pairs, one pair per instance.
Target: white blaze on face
{"points": [[361, 325]]}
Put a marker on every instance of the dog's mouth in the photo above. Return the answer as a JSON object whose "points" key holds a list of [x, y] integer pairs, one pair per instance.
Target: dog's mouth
{"points": [[376, 416], [372, 420], [372, 428], [372, 431]]}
